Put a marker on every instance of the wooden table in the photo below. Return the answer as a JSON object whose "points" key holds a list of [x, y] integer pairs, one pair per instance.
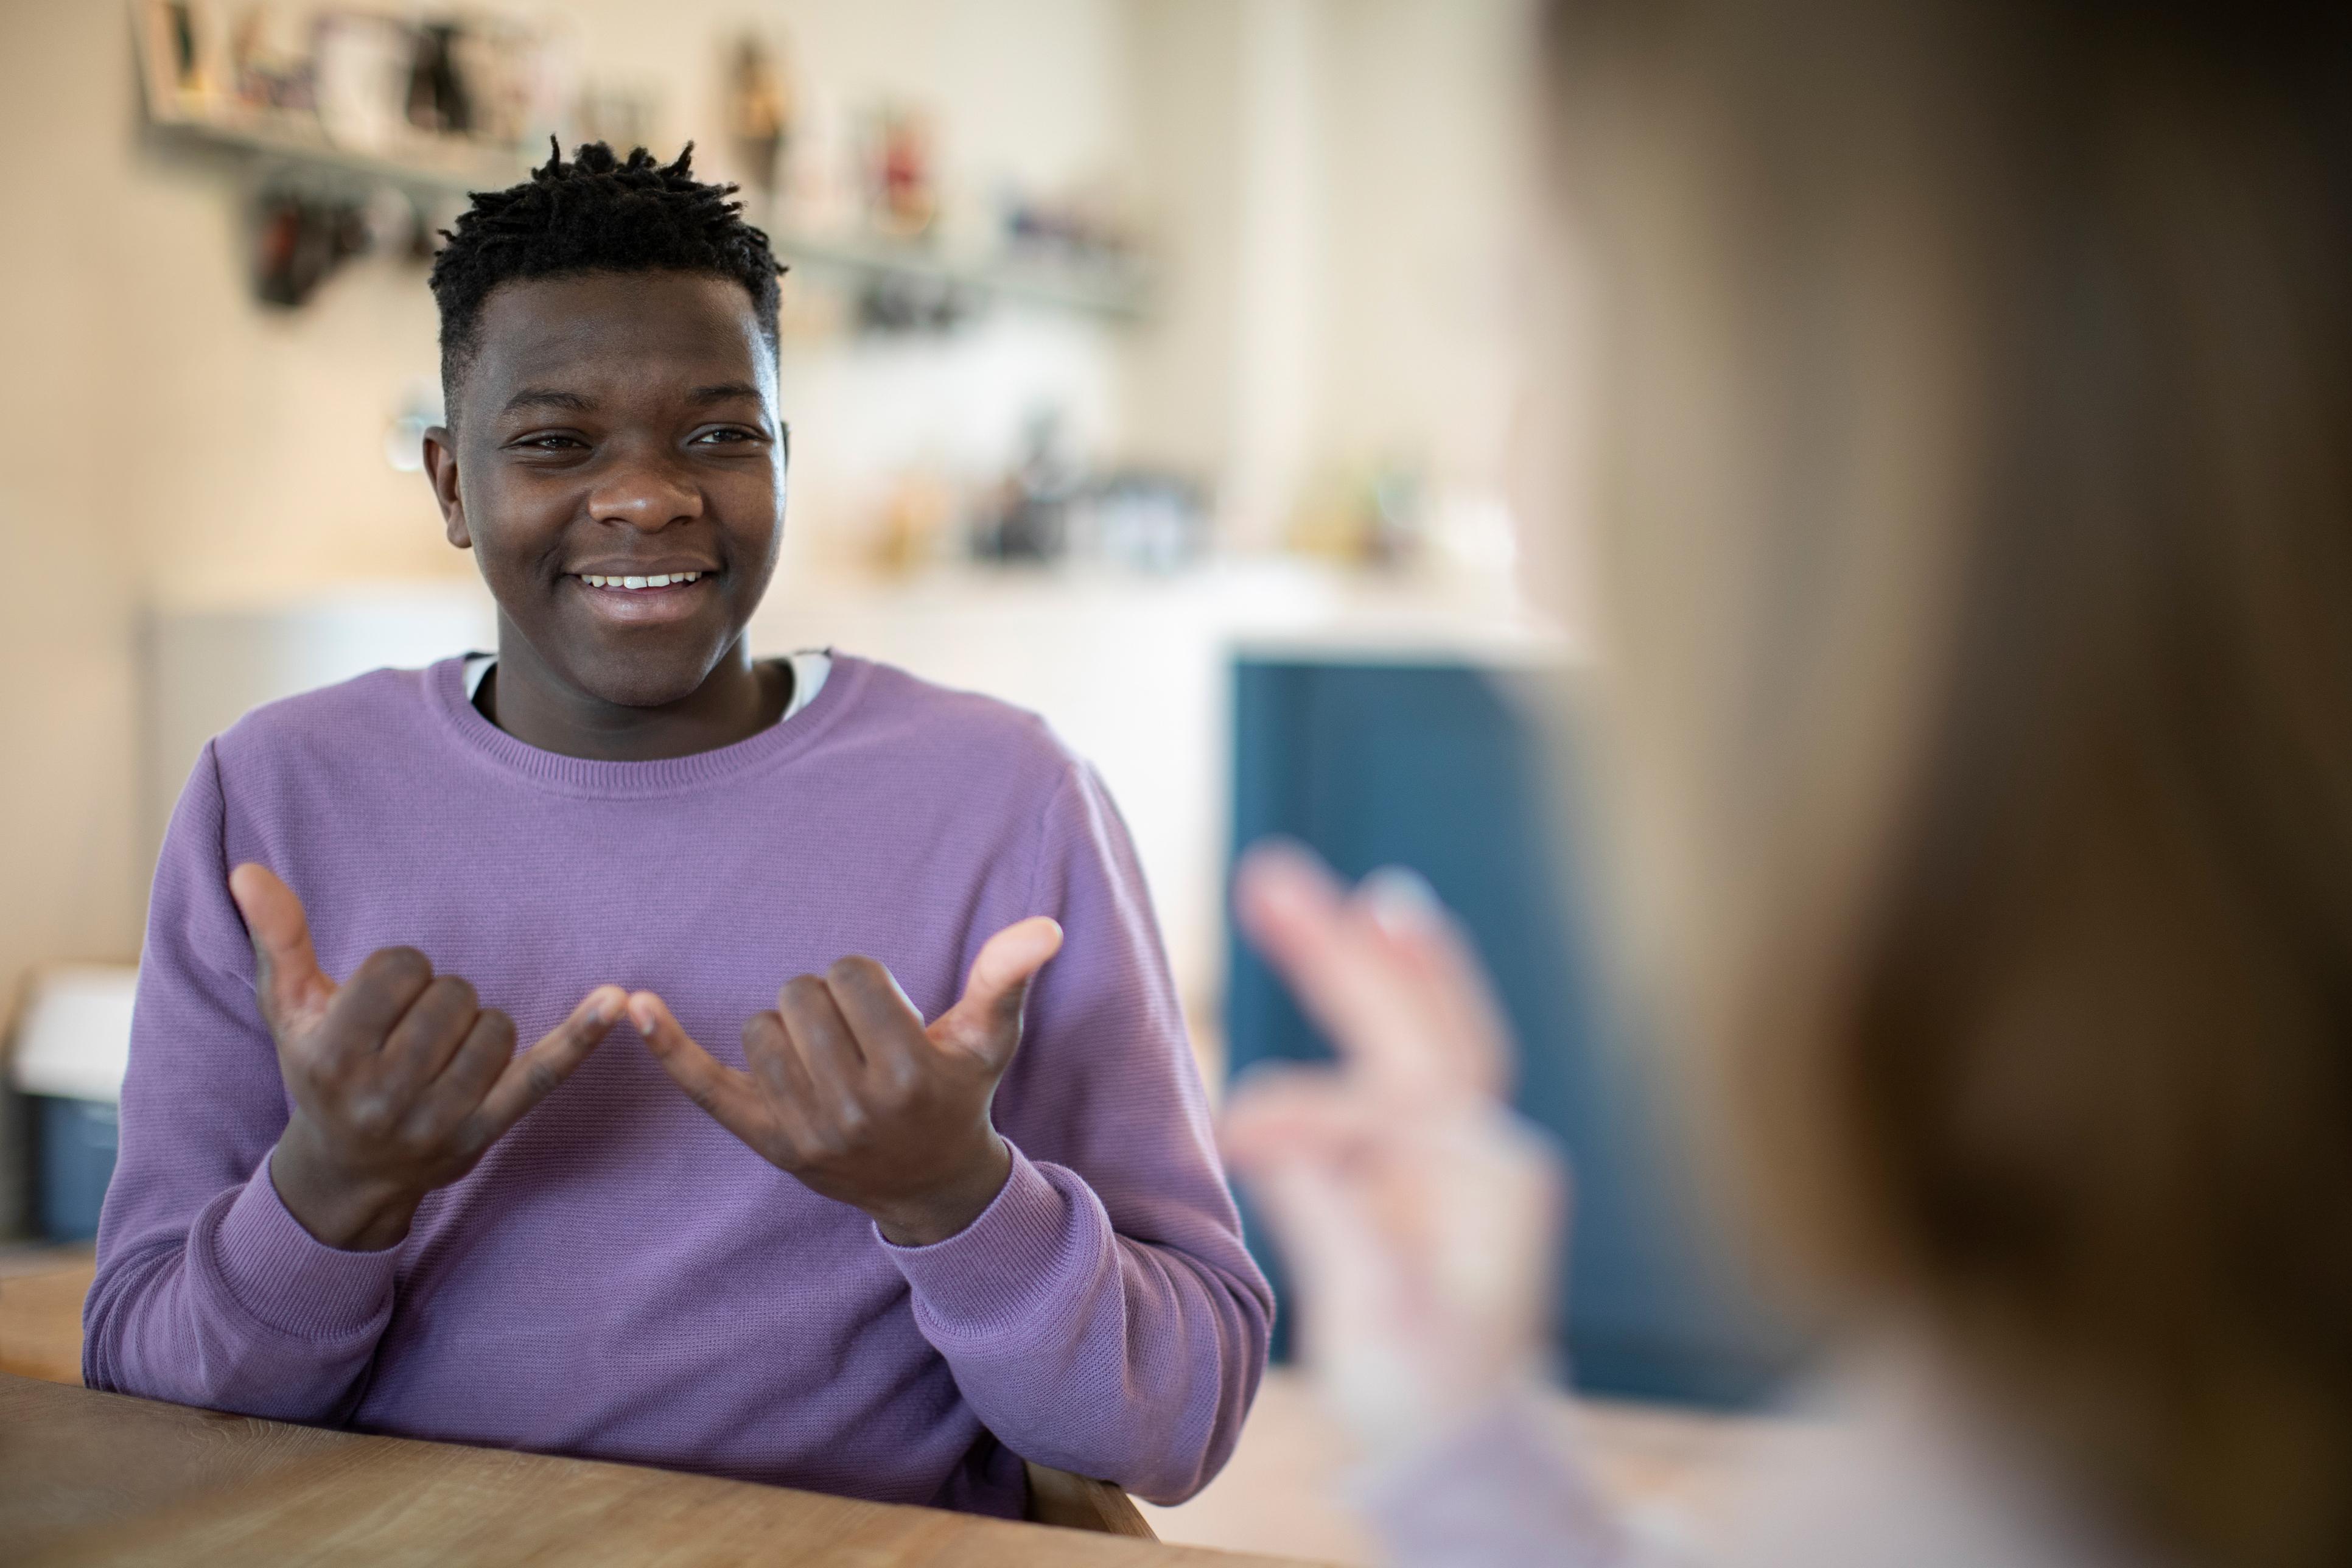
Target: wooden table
{"points": [[97, 1478]]}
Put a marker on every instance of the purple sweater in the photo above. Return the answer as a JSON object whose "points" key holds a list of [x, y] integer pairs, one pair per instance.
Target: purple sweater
{"points": [[620, 1278]]}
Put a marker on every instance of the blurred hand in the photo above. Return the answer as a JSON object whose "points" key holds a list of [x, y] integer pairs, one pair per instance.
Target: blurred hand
{"points": [[851, 1093], [1415, 1211], [400, 1081]]}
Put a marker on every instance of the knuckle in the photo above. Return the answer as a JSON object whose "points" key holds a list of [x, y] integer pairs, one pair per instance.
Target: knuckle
{"points": [[456, 993], [801, 989], [855, 969], [539, 1081], [370, 1115], [497, 1023], [400, 965]]}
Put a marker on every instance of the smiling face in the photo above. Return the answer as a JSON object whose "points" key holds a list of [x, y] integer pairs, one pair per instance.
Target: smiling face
{"points": [[618, 470]]}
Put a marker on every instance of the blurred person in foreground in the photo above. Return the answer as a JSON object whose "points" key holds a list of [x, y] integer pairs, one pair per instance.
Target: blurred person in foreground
{"points": [[1973, 419]]}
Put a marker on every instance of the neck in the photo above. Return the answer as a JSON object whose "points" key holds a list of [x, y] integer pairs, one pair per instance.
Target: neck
{"points": [[535, 705]]}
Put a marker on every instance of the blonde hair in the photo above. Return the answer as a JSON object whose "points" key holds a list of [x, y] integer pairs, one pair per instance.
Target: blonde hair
{"points": [[1977, 495]]}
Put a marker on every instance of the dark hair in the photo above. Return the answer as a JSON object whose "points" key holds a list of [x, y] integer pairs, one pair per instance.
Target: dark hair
{"points": [[594, 214]]}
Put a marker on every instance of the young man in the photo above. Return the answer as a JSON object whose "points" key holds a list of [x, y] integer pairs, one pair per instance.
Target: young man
{"points": [[797, 1236]]}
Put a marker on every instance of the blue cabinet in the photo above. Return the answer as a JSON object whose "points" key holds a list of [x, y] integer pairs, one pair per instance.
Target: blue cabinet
{"points": [[76, 1140], [1439, 767]]}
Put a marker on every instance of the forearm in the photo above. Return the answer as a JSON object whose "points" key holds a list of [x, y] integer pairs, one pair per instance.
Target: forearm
{"points": [[1085, 1350], [243, 1311]]}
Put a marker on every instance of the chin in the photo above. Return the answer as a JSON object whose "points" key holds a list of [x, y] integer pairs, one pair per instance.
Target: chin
{"points": [[648, 680]]}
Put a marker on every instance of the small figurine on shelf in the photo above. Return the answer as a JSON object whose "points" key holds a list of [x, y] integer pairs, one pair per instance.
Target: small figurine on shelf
{"points": [[438, 102], [1373, 516], [902, 195], [759, 112], [183, 56], [913, 520], [360, 68], [1027, 519], [269, 68]]}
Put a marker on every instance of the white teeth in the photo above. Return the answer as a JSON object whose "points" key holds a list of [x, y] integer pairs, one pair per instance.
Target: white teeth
{"points": [[659, 579]]}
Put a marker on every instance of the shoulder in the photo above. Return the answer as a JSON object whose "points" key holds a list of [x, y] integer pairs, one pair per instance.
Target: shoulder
{"points": [[361, 722], [937, 729]]}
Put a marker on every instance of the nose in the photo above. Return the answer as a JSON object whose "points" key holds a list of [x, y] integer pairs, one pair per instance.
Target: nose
{"points": [[645, 492]]}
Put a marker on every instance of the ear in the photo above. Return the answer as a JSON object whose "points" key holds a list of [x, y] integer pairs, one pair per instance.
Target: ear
{"points": [[441, 469]]}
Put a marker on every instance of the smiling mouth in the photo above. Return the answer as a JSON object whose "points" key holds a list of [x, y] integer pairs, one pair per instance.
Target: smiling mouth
{"points": [[639, 585]]}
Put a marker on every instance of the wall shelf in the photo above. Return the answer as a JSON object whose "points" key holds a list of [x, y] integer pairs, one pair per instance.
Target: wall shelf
{"points": [[447, 166], [421, 165], [1120, 289]]}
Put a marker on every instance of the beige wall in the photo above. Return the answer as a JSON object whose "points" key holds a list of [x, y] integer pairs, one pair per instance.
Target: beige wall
{"points": [[69, 415]]}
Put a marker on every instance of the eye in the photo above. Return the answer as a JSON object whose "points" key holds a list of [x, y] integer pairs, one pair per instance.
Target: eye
{"points": [[552, 441], [725, 435]]}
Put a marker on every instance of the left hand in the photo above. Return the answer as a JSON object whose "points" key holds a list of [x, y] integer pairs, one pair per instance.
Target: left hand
{"points": [[852, 1094]]}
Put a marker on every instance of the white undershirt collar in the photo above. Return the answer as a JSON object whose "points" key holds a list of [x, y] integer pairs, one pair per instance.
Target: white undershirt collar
{"points": [[810, 667]]}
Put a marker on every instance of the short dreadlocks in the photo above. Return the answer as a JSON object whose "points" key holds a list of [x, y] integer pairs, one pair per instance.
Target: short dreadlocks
{"points": [[594, 214]]}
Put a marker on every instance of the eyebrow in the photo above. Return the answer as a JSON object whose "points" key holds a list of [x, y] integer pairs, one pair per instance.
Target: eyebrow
{"points": [[548, 398], [723, 392], [578, 402]]}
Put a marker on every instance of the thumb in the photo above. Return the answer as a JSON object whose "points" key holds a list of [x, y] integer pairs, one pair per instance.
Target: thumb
{"points": [[986, 1020], [288, 979]]}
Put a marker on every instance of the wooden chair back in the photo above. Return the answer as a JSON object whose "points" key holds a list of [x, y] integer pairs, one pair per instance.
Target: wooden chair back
{"points": [[1074, 1502]]}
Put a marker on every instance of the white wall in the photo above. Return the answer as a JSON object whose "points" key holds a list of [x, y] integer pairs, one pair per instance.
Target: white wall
{"points": [[1339, 188], [1425, 143]]}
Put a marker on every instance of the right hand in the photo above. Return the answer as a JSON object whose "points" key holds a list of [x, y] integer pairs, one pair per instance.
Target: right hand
{"points": [[1417, 1215], [400, 1079]]}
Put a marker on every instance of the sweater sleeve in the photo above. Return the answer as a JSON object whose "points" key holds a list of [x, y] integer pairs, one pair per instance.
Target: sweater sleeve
{"points": [[1102, 1315], [209, 1292], [1499, 1490]]}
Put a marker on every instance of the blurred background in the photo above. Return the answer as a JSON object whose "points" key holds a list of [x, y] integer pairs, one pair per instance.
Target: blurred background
{"points": [[1150, 363]]}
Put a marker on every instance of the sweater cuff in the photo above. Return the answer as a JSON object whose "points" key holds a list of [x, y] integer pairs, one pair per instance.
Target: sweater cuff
{"points": [[1015, 1263], [287, 1279]]}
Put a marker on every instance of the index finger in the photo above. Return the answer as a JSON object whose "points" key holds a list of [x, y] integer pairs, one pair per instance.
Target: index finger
{"points": [[729, 1094], [1420, 1028], [534, 1074]]}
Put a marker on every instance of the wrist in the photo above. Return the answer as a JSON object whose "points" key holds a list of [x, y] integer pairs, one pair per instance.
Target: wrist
{"points": [[951, 1206], [338, 1210]]}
